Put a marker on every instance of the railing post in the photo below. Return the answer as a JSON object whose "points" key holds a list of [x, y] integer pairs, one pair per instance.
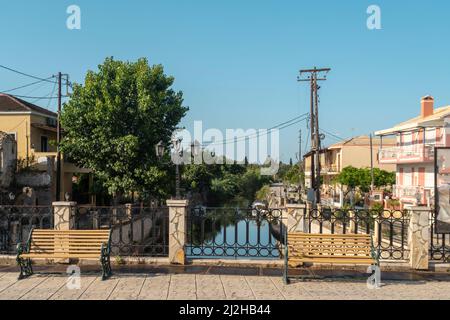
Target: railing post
{"points": [[178, 210], [129, 210], [64, 215], [419, 238], [296, 218]]}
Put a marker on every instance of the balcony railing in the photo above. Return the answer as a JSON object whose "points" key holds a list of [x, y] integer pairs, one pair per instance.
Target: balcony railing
{"points": [[410, 154], [413, 192]]}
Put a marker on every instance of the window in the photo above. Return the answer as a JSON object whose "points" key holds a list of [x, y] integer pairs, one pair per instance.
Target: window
{"points": [[44, 144], [13, 135]]}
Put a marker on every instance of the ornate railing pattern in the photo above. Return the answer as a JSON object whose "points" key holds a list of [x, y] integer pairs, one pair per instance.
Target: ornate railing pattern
{"points": [[17, 221], [389, 229], [439, 243], [136, 231], [234, 233]]}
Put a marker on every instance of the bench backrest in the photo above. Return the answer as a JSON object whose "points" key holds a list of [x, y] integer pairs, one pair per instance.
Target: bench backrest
{"points": [[329, 245], [70, 242]]}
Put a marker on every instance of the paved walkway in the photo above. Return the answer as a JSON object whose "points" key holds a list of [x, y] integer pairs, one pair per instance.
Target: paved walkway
{"points": [[204, 287]]}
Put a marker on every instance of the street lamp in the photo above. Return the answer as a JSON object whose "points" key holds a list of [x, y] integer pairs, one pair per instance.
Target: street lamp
{"points": [[159, 149], [176, 142]]}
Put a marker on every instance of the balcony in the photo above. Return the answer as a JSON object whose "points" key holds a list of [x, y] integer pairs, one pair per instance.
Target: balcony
{"points": [[410, 154], [330, 169], [414, 193]]}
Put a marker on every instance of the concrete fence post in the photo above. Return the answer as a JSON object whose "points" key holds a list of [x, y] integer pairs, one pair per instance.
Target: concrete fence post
{"points": [[295, 217], [178, 210], [419, 238], [64, 215]]}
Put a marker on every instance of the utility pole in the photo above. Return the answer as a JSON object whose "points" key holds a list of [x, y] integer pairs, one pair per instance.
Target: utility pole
{"points": [[300, 146], [58, 141], [371, 165], [313, 76], [58, 133]]}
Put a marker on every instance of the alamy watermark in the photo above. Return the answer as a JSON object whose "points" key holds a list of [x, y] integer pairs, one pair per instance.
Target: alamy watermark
{"points": [[374, 19], [235, 146], [73, 281], [73, 21], [374, 281]]}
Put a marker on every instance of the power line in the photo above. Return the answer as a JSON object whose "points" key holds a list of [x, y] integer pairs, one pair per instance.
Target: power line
{"points": [[37, 98], [280, 126], [67, 82], [26, 74], [25, 86]]}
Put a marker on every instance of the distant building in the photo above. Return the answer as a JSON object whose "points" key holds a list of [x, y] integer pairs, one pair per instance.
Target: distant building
{"points": [[353, 152], [413, 154], [8, 159], [34, 130]]}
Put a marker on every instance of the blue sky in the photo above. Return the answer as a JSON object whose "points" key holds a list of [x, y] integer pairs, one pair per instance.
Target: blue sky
{"points": [[237, 61]]}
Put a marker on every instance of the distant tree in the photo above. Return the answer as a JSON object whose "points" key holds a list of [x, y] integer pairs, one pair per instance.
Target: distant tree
{"points": [[290, 162], [294, 175], [354, 178], [114, 120], [263, 193]]}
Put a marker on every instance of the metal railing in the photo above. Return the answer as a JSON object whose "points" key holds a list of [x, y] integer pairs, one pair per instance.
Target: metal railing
{"points": [[389, 229], [407, 153], [439, 243], [17, 221], [136, 231], [234, 233]]}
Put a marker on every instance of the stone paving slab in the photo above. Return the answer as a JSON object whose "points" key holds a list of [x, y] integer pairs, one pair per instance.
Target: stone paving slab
{"points": [[206, 287], [155, 287]]}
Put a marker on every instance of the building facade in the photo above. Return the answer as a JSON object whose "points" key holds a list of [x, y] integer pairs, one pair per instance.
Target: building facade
{"points": [[355, 152], [35, 131], [413, 154]]}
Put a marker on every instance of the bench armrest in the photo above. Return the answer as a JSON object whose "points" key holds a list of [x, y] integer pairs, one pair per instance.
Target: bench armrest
{"points": [[19, 249]]}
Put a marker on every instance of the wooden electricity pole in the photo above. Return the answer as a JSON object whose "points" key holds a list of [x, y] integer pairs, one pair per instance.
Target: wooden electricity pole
{"points": [[58, 140], [313, 76]]}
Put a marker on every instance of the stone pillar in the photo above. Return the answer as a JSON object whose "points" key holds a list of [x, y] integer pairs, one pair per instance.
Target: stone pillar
{"points": [[351, 225], [295, 218], [129, 210], [419, 238], [64, 215], [177, 230]]}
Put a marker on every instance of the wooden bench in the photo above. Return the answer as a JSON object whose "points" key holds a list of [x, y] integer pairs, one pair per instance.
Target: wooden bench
{"points": [[342, 249], [65, 244]]}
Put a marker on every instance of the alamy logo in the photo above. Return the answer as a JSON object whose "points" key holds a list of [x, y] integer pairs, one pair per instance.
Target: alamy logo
{"points": [[374, 281], [374, 19], [74, 280], [73, 22], [236, 146]]}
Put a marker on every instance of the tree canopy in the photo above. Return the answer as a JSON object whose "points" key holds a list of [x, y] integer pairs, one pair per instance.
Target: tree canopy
{"points": [[361, 178], [113, 121]]}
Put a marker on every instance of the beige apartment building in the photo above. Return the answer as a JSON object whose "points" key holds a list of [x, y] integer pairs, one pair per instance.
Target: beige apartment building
{"points": [[353, 152]]}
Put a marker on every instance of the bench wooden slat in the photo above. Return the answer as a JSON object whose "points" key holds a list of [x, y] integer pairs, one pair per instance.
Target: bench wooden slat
{"points": [[343, 248]]}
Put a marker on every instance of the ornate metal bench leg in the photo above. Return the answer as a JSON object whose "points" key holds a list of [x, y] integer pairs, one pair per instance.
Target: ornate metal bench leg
{"points": [[26, 269], [106, 264], [286, 266]]}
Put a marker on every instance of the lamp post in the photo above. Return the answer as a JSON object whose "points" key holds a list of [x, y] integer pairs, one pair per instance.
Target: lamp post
{"points": [[176, 143]]}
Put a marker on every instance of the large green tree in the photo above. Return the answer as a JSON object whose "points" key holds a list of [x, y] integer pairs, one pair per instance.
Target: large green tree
{"points": [[114, 120]]}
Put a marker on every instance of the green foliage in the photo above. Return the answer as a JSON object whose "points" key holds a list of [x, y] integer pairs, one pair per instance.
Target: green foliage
{"points": [[263, 193], [294, 175], [377, 207], [361, 178], [224, 183], [113, 122]]}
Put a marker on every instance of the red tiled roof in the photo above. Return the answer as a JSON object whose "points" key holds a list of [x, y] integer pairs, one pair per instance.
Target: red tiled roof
{"points": [[9, 103]]}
